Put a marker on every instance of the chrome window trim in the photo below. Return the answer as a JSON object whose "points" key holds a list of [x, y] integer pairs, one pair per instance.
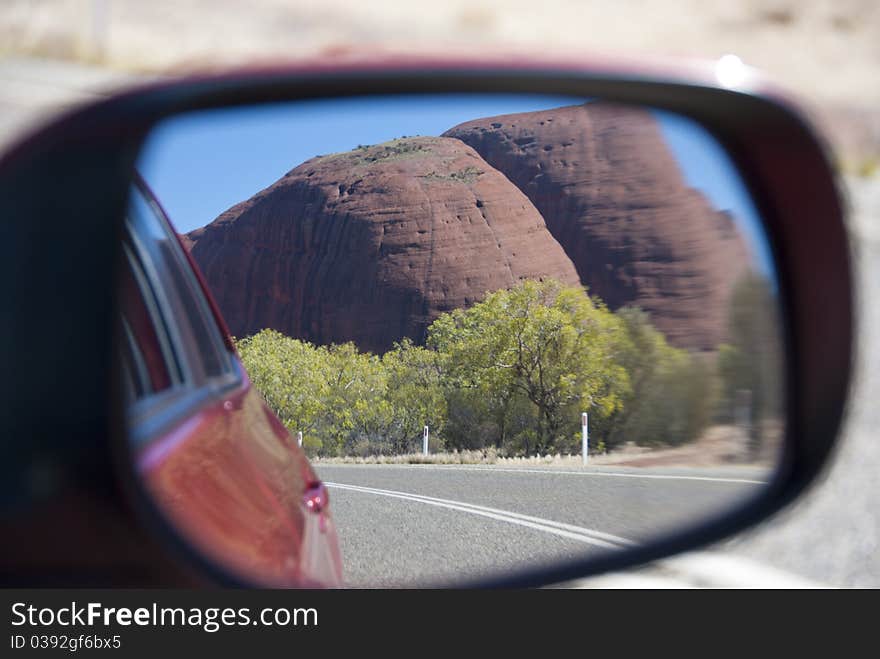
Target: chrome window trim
{"points": [[137, 377], [150, 296], [156, 413], [167, 311], [203, 309]]}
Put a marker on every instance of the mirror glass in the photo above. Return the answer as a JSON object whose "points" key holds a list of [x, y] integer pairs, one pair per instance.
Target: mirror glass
{"points": [[497, 332]]}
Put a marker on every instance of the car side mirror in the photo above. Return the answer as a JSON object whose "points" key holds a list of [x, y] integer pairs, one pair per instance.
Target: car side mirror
{"points": [[421, 290]]}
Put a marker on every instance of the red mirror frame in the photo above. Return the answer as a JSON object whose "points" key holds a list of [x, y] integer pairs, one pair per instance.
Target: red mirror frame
{"points": [[63, 192]]}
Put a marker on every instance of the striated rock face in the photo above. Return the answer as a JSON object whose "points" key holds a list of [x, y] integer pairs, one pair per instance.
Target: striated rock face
{"points": [[372, 245], [612, 194]]}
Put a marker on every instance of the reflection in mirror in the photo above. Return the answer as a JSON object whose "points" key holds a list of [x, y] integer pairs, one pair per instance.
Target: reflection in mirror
{"points": [[505, 331]]}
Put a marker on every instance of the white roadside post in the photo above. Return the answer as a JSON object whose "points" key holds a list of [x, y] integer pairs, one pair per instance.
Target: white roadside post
{"points": [[425, 441], [585, 430], [299, 438]]}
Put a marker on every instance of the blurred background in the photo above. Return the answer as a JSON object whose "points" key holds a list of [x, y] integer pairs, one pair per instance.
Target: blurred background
{"points": [[57, 53]]}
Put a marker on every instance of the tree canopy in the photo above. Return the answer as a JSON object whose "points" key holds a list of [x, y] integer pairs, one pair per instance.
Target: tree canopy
{"points": [[513, 371], [750, 363], [550, 344]]}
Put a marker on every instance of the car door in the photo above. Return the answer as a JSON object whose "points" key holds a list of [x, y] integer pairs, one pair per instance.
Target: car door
{"points": [[222, 469]]}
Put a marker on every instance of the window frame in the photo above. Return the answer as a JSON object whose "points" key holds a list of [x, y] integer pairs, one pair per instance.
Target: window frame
{"points": [[193, 386]]}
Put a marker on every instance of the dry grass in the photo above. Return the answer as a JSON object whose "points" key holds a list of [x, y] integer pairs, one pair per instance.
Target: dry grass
{"points": [[488, 456], [718, 446]]}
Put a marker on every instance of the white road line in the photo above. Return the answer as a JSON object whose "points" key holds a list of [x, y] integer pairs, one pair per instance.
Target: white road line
{"points": [[568, 531], [514, 470]]}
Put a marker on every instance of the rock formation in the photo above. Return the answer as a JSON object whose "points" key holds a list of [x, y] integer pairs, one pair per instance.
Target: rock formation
{"points": [[612, 194], [372, 245]]}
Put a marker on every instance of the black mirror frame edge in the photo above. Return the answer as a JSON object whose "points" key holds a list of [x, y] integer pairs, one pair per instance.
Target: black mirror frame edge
{"points": [[88, 158]]}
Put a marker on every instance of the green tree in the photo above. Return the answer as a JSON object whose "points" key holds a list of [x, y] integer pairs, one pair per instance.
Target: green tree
{"points": [[334, 395], [751, 362], [356, 406], [415, 395], [549, 343], [672, 392], [291, 376]]}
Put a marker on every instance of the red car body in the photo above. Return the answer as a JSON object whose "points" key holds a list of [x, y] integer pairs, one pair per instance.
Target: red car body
{"points": [[220, 466]]}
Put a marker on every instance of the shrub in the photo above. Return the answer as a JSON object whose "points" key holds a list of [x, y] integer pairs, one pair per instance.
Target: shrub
{"points": [[512, 373]]}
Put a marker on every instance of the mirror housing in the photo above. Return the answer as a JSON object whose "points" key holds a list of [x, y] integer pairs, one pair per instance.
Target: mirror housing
{"points": [[61, 255]]}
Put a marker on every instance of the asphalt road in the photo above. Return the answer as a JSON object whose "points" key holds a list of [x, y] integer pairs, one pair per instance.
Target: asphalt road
{"points": [[417, 525]]}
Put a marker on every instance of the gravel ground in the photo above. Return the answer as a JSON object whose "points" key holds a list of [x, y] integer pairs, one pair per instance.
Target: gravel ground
{"points": [[827, 50]]}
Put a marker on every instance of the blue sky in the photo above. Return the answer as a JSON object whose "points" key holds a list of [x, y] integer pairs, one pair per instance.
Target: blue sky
{"points": [[200, 164]]}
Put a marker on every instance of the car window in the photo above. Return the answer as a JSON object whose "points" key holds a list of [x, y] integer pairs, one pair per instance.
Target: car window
{"points": [[173, 353], [147, 358], [179, 292]]}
